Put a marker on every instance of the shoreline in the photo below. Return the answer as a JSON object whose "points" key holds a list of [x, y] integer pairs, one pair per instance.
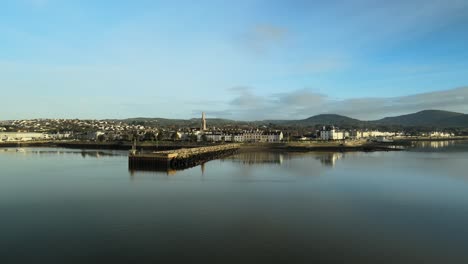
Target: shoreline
{"points": [[306, 146], [245, 147]]}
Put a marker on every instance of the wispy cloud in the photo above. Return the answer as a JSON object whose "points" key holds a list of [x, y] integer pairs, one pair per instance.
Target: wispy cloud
{"points": [[262, 38], [323, 65]]}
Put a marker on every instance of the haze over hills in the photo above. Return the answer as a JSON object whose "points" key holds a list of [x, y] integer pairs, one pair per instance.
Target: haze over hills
{"points": [[426, 118]]}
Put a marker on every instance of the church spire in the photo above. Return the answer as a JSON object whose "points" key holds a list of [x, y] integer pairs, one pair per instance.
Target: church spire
{"points": [[203, 122]]}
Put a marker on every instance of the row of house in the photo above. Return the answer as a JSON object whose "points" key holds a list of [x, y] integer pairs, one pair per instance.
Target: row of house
{"points": [[331, 133], [245, 136], [439, 134], [31, 136], [21, 136]]}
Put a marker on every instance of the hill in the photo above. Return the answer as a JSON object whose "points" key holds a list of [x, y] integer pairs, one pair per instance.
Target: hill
{"points": [[423, 119], [426, 118], [456, 121], [323, 119], [166, 122]]}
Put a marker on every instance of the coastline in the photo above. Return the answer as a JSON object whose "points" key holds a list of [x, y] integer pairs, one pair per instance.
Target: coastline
{"points": [[245, 147], [306, 146]]}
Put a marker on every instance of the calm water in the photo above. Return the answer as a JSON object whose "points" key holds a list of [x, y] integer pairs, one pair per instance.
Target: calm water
{"points": [[63, 206]]}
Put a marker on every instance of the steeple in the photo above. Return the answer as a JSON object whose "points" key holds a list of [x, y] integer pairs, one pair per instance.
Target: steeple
{"points": [[203, 122]]}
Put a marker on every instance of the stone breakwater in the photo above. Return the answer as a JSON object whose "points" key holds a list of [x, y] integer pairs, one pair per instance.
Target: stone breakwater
{"points": [[180, 158]]}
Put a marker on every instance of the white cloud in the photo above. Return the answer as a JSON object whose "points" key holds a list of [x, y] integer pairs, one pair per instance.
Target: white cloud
{"points": [[304, 103]]}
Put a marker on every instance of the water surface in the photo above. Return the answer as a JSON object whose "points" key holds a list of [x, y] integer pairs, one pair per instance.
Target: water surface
{"points": [[63, 206]]}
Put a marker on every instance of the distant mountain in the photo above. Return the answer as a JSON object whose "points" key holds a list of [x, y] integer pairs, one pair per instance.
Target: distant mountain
{"points": [[456, 121], [194, 122], [427, 118], [323, 119]]}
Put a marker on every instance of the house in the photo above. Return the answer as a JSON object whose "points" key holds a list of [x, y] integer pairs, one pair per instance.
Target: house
{"points": [[330, 133], [21, 136], [244, 136]]}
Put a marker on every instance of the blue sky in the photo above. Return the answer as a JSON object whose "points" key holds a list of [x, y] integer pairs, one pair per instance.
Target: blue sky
{"points": [[233, 59]]}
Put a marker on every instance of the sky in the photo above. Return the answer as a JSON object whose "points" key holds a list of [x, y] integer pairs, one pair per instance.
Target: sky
{"points": [[243, 59]]}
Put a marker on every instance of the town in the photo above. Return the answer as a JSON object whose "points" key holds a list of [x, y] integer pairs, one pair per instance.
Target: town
{"points": [[119, 131]]}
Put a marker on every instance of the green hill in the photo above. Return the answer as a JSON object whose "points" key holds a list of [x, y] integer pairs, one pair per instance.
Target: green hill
{"points": [[426, 118], [325, 119]]}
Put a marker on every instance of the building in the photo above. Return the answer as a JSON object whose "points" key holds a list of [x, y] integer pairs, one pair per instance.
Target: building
{"points": [[273, 136], [239, 137], [203, 122], [330, 133], [244, 136], [214, 136], [440, 134], [357, 134], [253, 136], [22, 136]]}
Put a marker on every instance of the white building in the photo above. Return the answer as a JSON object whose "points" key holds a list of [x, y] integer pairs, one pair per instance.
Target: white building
{"points": [[440, 134], [246, 136], [357, 134], [262, 136], [331, 133], [238, 137], [93, 135], [214, 136], [58, 135], [22, 136], [276, 136]]}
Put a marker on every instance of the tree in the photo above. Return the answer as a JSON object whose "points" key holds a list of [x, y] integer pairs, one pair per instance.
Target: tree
{"points": [[149, 136], [193, 138], [160, 136], [101, 138], [204, 138]]}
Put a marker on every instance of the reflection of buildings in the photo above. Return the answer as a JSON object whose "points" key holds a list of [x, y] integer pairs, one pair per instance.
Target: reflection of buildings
{"points": [[329, 159], [60, 152], [94, 154], [252, 158], [258, 158], [202, 166], [435, 144]]}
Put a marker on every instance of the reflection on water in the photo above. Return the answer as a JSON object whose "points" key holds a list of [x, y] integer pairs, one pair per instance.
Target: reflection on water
{"points": [[356, 207], [440, 146], [255, 158], [434, 144], [64, 152], [141, 170], [330, 159], [258, 158], [252, 159]]}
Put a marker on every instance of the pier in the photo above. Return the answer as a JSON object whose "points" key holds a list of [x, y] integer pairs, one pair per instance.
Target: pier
{"points": [[180, 158]]}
